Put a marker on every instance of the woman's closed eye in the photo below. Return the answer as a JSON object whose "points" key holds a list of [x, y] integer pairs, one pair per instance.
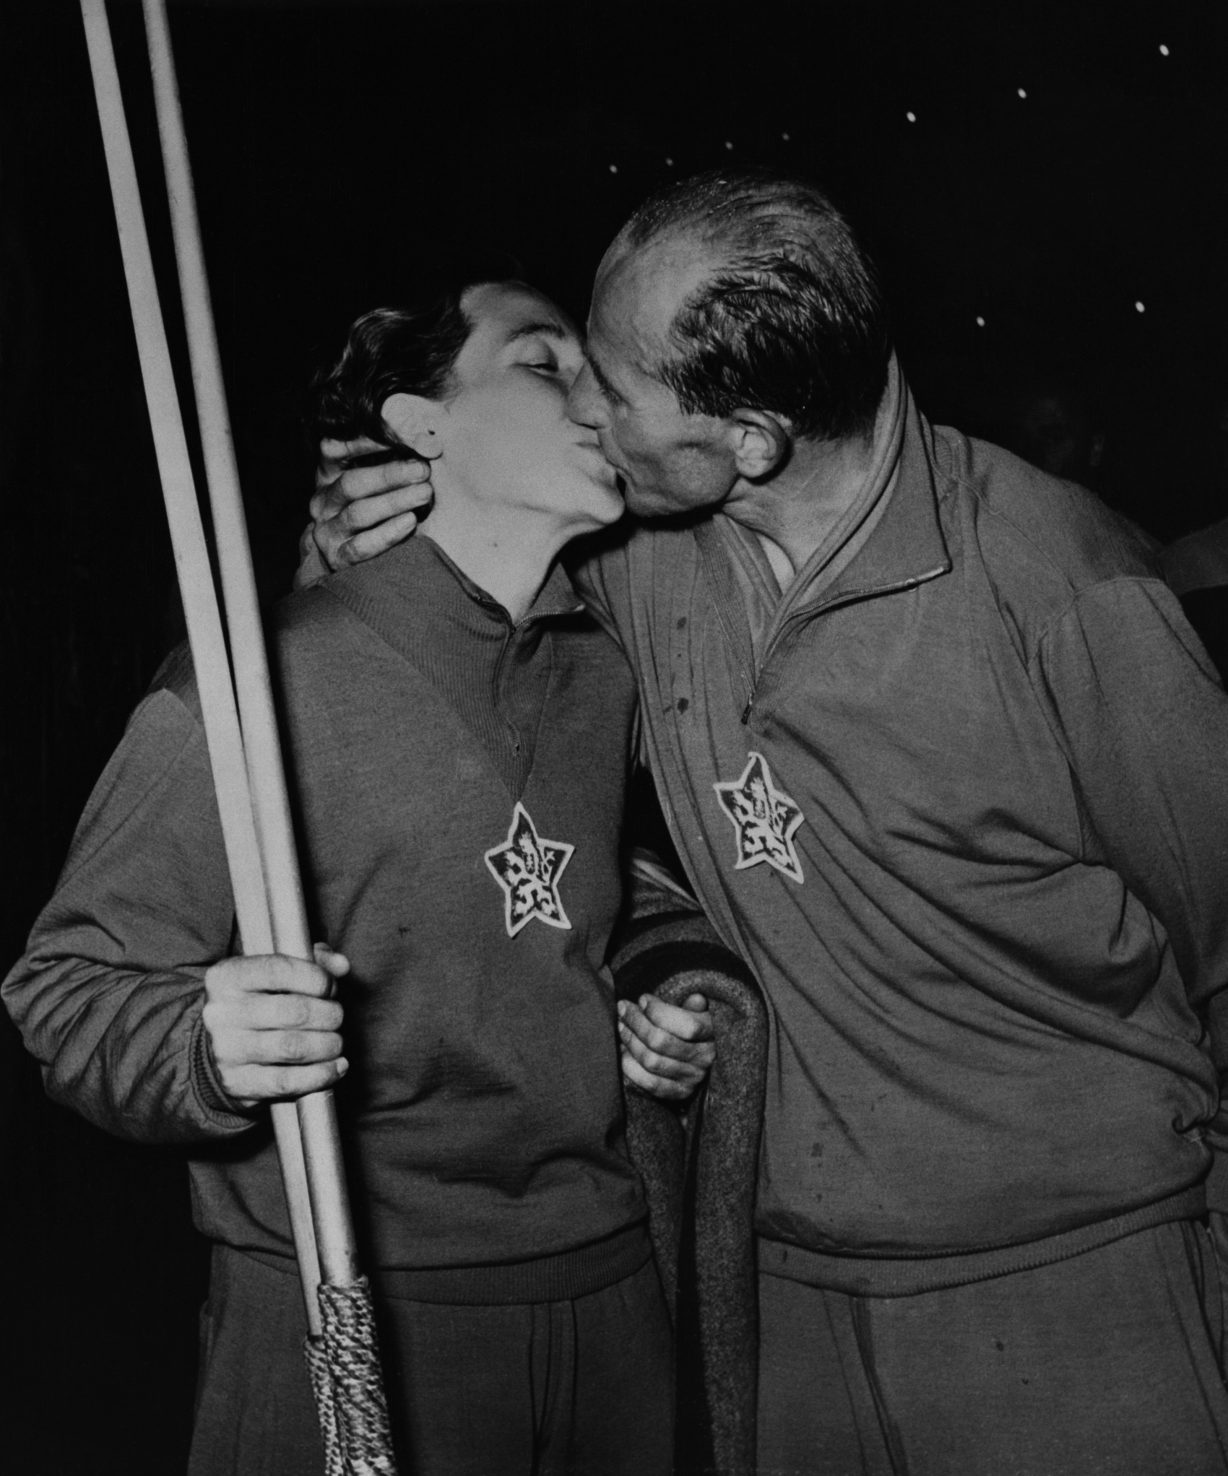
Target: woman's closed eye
{"points": [[553, 367], [540, 355]]}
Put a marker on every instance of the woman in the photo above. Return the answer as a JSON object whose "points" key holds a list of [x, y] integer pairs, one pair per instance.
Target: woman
{"points": [[459, 733]]}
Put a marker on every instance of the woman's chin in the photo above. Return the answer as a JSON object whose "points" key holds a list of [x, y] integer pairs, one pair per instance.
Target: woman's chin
{"points": [[614, 507], [605, 503]]}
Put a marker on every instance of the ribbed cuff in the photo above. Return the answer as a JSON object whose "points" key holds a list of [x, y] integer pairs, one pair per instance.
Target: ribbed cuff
{"points": [[654, 949], [1216, 1182], [210, 1092]]}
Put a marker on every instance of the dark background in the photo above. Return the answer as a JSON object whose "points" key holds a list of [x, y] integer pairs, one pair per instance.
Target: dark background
{"points": [[337, 144]]}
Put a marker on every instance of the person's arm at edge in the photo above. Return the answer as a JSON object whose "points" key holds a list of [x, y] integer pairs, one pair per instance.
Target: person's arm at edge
{"points": [[1135, 703], [1144, 720], [112, 994]]}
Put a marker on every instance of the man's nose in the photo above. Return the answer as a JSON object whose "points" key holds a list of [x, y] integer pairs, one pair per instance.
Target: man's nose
{"points": [[584, 402]]}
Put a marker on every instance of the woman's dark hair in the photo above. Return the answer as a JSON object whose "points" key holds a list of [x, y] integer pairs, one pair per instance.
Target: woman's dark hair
{"points": [[411, 348]]}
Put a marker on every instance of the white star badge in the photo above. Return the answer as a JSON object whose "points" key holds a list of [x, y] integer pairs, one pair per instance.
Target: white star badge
{"points": [[764, 817], [528, 868]]}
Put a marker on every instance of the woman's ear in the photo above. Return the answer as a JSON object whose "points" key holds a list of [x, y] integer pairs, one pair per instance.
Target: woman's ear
{"points": [[415, 422]]}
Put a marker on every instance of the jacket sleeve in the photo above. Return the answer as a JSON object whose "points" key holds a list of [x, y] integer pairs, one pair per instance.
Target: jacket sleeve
{"points": [[664, 934], [108, 996], [1144, 723], [1144, 719]]}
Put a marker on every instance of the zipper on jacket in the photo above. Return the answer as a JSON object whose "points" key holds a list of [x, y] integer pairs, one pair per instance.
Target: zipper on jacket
{"points": [[500, 706], [846, 597]]}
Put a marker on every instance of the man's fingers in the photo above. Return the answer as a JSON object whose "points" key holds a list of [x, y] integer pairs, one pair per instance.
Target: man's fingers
{"points": [[336, 452], [374, 541], [338, 488], [357, 517]]}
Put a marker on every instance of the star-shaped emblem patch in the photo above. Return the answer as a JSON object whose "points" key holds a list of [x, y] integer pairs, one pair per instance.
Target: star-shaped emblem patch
{"points": [[528, 868], [764, 817]]}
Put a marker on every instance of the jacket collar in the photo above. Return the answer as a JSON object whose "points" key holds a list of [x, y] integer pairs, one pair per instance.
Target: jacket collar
{"points": [[891, 537], [892, 540], [907, 546], [418, 575], [427, 609]]}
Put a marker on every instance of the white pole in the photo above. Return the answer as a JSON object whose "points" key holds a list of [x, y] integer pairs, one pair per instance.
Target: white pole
{"points": [[317, 1114], [220, 718]]}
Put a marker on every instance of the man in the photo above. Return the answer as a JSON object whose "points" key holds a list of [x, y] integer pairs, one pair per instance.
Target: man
{"points": [[945, 764], [460, 733]]}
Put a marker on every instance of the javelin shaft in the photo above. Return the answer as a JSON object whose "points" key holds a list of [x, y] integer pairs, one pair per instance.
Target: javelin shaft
{"points": [[317, 1115], [219, 715]]}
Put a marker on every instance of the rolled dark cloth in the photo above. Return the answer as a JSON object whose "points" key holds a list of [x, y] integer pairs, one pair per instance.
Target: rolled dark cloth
{"points": [[699, 1164]]}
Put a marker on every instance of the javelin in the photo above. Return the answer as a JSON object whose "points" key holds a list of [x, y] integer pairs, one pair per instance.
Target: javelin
{"points": [[243, 747]]}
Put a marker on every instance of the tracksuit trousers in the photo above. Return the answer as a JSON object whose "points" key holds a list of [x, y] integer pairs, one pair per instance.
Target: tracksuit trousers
{"points": [[571, 1388], [1106, 1364]]}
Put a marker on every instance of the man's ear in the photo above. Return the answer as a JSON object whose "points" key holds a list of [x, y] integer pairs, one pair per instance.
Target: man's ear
{"points": [[415, 422], [760, 442]]}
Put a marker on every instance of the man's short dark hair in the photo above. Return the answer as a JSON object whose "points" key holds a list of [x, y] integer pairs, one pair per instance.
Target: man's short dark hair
{"points": [[793, 320]]}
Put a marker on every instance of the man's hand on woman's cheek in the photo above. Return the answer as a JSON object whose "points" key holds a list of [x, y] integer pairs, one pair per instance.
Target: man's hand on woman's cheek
{"points": [[361, 510]]}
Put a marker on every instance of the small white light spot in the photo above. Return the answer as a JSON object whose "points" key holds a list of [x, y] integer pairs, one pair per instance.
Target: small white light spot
{"points": [[613, 168], [728, 145], [785, 136], [1021, 92], [912, 117], [670, 162], [980, 322], [1163, 50], [1140, 307]]}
